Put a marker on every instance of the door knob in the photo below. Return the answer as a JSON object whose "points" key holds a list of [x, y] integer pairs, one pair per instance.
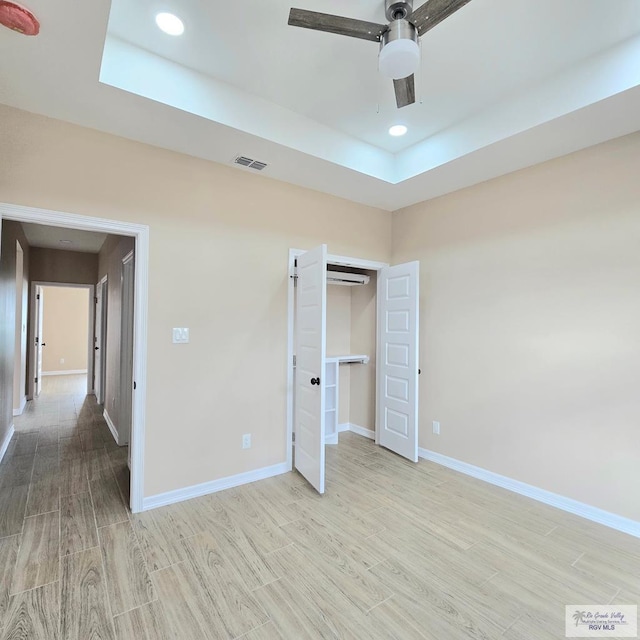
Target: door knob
{"points": [[44, 344], [315, 380], [96, 348]]}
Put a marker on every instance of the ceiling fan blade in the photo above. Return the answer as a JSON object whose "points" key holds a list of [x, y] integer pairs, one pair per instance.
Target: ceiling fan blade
{"points": [[433, 12], [405, 91], [336, 24]]}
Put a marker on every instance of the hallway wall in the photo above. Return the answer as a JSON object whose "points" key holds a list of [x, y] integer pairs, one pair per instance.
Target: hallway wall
{"points": [[110, 258], [11, 231]]}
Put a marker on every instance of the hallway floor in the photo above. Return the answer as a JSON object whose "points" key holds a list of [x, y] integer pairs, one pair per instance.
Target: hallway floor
{"points": [[392, 550]]}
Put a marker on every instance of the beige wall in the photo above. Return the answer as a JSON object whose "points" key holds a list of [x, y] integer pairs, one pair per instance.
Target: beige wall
{"points": [[219, 242], [69, 267], [11, 232], [530, 324], [339, 340], [65, 329], [111, 254]]}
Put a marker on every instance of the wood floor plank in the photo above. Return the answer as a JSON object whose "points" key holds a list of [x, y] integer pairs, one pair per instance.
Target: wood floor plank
{"points": [[128, 581], [8, 556], [44, 496], [236, 610], [187, 607], [73, 476], [16, 471], [38, 558], [13, 503], [84, 606], [266, 632], [77, 524], [144, 623], [159, 539], [98, 464], [33, 615], [294, 614], [107, 502]]}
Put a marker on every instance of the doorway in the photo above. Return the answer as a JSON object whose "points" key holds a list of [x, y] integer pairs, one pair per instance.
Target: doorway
{"points": [[312, 377], [100, 339], [140, 235]]}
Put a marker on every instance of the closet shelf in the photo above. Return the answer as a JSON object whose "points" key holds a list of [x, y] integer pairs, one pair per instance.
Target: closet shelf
{"points": [[357, 359]]}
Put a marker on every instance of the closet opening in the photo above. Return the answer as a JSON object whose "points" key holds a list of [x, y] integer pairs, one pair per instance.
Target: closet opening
{"points": [[353, 356]]}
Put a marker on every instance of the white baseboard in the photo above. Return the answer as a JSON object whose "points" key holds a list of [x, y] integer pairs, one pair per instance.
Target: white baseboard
{"points": [[70, 372], [620, 523], [197, 490], [331, 439], [362, 431], [23, 403], [345, 426], [6, 441], [112, 427]]}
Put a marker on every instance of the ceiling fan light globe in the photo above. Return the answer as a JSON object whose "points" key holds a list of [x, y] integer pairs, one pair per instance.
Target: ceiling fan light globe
{"points": [[399, 58]]}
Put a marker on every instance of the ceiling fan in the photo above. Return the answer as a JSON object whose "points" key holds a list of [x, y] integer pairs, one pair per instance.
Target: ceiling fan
{"points": [[399, 55]]}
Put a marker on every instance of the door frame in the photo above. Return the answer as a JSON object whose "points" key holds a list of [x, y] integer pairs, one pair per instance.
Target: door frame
{"points": [[140, 233], [32, 330], [345, 261]]}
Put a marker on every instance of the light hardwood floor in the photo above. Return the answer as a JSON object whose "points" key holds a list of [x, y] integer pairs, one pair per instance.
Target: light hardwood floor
{"points": [[392, 550]]}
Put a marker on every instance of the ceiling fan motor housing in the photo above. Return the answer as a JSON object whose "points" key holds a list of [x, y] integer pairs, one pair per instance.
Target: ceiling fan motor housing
{"points": [[398, 9], [399, 51]]}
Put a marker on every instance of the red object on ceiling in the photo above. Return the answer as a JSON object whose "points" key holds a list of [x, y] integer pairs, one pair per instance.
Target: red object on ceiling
{"points": [[18, 19]]}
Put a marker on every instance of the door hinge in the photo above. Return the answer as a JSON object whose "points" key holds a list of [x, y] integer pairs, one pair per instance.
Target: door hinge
{"points": [[95, 300], [36, 380], [38, 296], [134, 385], [294, 360]]}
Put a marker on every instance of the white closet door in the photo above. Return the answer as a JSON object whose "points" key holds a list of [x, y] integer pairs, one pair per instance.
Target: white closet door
{"points": [[310, 330], [397, 393]]}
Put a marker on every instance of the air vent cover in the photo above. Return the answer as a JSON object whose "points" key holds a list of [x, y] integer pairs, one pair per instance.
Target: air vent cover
{"points": [[250, 163]]}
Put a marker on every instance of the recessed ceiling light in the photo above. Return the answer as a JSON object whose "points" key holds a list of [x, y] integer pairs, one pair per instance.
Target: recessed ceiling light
{"points": [[397, 130], [170, 24]]}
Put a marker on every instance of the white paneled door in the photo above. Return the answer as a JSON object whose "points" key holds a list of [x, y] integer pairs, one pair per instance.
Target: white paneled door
{"points": [[310, 339], [397, 393]]}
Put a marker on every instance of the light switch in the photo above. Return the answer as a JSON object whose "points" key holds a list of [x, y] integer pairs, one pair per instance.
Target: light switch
{"points": [[180, 335]]}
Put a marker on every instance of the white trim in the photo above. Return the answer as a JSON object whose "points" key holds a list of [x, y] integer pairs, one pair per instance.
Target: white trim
{"points": [[197, 490], [70, 372], [112, 427], [141, 300], [620, 523], [345, 426], [6, 441], [331, 439], [362, 431], [20, 409]]}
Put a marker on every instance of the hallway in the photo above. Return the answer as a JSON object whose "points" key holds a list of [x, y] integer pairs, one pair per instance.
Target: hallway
{"points": [[61, 474]]}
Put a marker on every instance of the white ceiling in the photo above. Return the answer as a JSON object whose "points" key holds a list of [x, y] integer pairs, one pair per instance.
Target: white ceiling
{"points": [[504, 84], [40, 235]]}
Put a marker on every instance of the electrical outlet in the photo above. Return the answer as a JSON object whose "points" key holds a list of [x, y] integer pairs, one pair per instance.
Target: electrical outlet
{"points": [[436, 427], [61, 360], [246, 441]]}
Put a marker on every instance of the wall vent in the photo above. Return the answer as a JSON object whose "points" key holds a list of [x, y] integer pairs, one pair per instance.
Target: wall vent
{"points": [[250, 163]]}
